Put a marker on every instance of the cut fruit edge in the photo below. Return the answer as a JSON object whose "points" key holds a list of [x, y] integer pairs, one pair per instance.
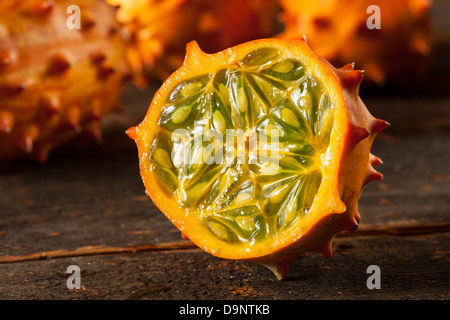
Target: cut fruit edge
{"points": [[335, 205]]}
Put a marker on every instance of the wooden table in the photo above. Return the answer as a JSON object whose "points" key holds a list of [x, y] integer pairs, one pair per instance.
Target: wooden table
{"points": [[87, 207]]}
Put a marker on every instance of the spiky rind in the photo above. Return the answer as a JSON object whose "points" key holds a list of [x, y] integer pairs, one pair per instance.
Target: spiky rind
{"points": [[56, 83]]}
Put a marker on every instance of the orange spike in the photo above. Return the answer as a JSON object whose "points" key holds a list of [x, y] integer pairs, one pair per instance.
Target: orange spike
{"points": [[352, 222], [27, 138], [44, 7], [280, 269], [283, 270], [374, 160], [87, 23], [6, 121], [127, 76], [193, 52], [348, 67], [41, 155], [376, 176], [12, 88], [379, 125], [358, 134], [50, 103], [105, 72], [185, 237], [352, 79], [321, 22], [113, 30], [326, 250], [58, 65], [420, 45], [7, 58], [375, 73], [372, 175], [72, 117], [208, 23], [25, 143], [96, 109], [422, 5], [132, 133], [98, 58], [357, 217]]}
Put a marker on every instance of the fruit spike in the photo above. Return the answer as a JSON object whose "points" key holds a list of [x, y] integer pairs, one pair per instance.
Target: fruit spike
{"points": [[105, 72], [49, 94], [44, 7], [98, 58], [58, 65], [374, 160], [352, 78], [373, 175], [50, 103], [348, 67], [96, 109], [87, 23], [7, 58], [396, 54], [72, 118], [232, 209], [379, 125], [358, 134], [9, 89], [6, 121], [27, 138]]}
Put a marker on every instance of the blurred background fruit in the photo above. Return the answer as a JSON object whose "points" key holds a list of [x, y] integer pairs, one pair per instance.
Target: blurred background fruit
{"points": [[56, 83], [159, 30], [337, 30]]}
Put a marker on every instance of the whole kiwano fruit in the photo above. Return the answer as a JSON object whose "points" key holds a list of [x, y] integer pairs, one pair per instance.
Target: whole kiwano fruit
{"points": [[56, 83], [259, 152], [394, 52]]}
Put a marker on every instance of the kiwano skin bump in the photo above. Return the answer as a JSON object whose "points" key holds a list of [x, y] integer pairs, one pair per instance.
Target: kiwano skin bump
{"points": [[56, 83], [396, 54], [247, 210], [159, 30]]}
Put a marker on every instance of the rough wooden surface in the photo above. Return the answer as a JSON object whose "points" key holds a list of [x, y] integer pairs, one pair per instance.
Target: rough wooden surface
{"points": [[87, 207]]}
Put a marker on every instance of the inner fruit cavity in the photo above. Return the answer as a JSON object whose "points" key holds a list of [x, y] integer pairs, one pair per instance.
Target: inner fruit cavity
{"points": [[240, 147]]}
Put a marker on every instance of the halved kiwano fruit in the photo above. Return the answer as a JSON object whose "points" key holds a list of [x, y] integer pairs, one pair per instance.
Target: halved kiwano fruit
{"points": [[258, 152]]}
